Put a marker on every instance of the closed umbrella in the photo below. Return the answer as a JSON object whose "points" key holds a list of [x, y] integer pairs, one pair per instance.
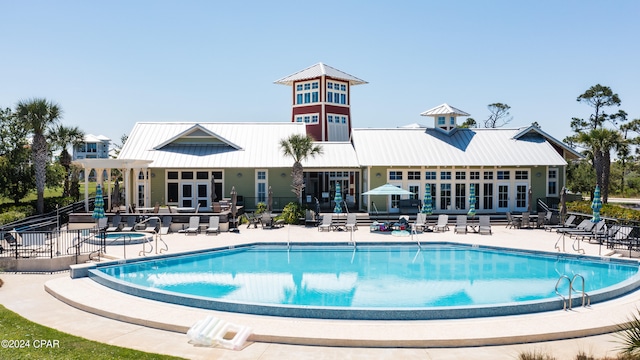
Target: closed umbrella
{"points": [[472, 201], [427, 206], [338, 199], [563, 205], [234, 208], [98, 205], [270, 200], [596, 205], [529, 200]]}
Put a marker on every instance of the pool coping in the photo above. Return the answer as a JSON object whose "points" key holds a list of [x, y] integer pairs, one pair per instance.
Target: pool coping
{"points": [[395, 314], [600, 318]]}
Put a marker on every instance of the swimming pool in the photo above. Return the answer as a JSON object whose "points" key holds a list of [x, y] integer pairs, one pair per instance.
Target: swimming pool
{"points": [[372, 281], [120, 237]]}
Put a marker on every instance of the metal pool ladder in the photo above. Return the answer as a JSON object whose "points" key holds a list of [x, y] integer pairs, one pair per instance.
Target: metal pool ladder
{"points": [[568, 301]]}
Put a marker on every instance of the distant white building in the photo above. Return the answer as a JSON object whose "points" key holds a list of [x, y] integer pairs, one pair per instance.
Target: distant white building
{"points": [[93, 147]]}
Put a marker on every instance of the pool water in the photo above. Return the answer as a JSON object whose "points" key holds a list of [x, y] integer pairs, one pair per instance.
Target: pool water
{"points": [[372, 276]]}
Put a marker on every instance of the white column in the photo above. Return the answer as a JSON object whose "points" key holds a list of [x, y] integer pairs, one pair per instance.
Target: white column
{"points": [[86, 189]]}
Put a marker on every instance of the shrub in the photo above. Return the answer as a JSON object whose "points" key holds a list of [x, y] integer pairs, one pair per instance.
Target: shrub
{"points": [[292, 212], [261, 207]]}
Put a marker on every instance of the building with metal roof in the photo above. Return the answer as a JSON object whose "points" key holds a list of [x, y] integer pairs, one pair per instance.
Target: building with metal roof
{"points": [[189, 163]]}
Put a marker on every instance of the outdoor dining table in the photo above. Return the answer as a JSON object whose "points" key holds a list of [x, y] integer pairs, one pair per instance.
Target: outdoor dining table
{"points": [[145, 209], [185, 209]]}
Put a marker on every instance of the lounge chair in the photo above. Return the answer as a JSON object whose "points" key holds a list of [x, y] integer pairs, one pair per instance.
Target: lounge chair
{"points": [[620, 239], [598, 228], [327, 223], [152, 225], [585, 225], [567, 224], [352, 222], [278, 223], [461, 224], [214, 225], [266, 221], [197, 208], [166, 224], [115, 224], [442, 224], [194, 225], [484, 224], [310, 218], [131, 223], [421, 222], [103, 224]]}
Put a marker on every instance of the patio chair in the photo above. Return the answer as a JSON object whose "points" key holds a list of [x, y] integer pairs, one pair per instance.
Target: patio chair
{"points": [[103, 223], [421, 222], [194, 225], [327, 223], [131, 223], [214, 225], [461, 224], [152, 225], [484, 224], [442, 224], [513, 222], [310, 218], [598, 228], [115, 224], [166, 224], [526, 220], [567, 224], [585, 225], [252, 219], [352, 222], [266, 221]]}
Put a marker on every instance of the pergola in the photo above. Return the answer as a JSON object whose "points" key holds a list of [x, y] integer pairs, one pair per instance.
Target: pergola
{"points": [[124, 165]]}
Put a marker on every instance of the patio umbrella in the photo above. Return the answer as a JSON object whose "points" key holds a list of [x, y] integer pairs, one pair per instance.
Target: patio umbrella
{"points": [[596, 205], [563, 204], [529, 199], [427, 206], [387, 189], [98, 205], [338, 199], [472, 201], [270, 200], [214, 196], [234, 208]]}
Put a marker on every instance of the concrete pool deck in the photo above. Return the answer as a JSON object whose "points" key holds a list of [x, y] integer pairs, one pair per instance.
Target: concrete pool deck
{"points": [[440, 339]]}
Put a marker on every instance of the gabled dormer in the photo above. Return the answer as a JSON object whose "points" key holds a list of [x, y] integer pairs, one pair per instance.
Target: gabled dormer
{"points": [[197, 135], [321, 100], [445, 117]]}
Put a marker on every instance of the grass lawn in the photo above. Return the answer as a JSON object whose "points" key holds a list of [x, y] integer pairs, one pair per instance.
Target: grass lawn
{"points": [[23, 339]]}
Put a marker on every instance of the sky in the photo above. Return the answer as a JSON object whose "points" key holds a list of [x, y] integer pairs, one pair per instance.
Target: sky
{"points": [[110, 64]]}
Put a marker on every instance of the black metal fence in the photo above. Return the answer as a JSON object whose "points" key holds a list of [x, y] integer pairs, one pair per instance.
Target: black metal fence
{"points": [[49, 243]]}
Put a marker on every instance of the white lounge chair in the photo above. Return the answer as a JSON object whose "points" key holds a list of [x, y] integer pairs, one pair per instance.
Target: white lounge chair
{"points": [[327, 223], [166, 224], [461, 224], [443, 223], [152, 226], [194, 225], [484, 224], [421, 222], [214, 225], [351, 222]]}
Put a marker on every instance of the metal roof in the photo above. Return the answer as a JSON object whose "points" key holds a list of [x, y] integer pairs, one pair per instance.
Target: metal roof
{"points": [[444, 109], [225, 145], [319, 70], [464, 147]]}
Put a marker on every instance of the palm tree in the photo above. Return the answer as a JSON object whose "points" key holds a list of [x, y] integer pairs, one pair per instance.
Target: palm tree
{"points": [[601, 141], [38, 115], [61, 137], [299, 147]]}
